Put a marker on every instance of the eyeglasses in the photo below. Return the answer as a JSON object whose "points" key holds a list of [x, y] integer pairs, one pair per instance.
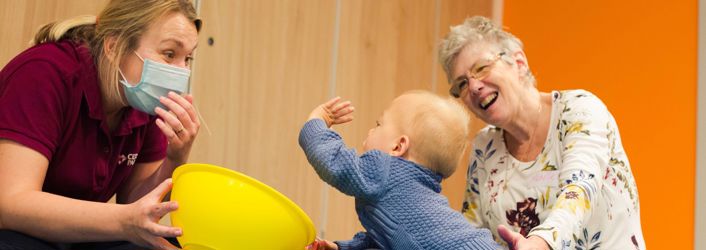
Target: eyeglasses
{"points": [[478, 73]]}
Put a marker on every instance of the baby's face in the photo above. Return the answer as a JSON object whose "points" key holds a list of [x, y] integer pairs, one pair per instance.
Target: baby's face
{"points": [[384, 135], [387, 132]]}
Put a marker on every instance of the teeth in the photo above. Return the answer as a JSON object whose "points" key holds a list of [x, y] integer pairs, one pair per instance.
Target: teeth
{"points": [[487, 100]]}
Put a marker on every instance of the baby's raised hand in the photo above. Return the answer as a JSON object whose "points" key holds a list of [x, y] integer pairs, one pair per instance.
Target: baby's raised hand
{"points": [[333, 112]]}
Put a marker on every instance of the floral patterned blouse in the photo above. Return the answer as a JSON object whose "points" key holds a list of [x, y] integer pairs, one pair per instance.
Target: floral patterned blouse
{"points": [[579, 193]]}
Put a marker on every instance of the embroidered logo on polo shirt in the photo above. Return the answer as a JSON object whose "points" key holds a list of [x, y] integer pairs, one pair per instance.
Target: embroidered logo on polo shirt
{"points": [[121, 159], [131, 158]]}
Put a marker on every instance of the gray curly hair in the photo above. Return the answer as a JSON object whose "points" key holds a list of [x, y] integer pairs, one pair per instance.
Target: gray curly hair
{"points": [[476, 30]]}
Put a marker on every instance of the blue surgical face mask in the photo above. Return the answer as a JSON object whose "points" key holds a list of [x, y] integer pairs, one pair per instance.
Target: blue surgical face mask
{"points": [[156, 81]]}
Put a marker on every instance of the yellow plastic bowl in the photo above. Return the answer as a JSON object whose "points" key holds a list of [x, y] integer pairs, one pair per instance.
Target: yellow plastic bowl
{"points": [[220, 209]]}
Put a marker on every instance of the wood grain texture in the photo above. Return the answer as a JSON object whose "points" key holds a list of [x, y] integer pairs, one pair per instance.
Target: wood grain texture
{"points": [[271, 63], [21, 19], [385, 49], [454, 12], [255, 86]]}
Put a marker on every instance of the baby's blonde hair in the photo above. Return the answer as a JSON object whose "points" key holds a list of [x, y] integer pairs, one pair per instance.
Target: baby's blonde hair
{"points": [[437, 128]]}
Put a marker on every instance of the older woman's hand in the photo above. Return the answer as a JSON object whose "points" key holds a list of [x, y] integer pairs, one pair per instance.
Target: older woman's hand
{"points": [[180, 125], [518, 242]]}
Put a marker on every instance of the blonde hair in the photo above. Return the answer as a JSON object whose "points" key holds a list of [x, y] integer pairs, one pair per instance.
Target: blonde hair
{"points": [[437, 128], [477, 30], [122, 20]]}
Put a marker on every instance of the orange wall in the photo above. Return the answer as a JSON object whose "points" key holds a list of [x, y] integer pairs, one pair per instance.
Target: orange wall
{"points": [[640, 58]]}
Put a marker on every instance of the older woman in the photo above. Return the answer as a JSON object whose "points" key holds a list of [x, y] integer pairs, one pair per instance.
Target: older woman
{"points": [[549, 171], [91, 111]]}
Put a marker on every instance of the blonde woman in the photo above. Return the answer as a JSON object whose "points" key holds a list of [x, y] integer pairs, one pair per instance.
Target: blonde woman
{"points": [[550, 171], [93, 110]]}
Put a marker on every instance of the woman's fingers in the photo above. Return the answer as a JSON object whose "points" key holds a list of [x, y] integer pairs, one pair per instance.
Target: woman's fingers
{"points": [[185, 105], [170, 132], [161, 243], [160, 230], [142, 225], [176, 117], [161, 209], [158, 193], [181, 116], [509, 236]]}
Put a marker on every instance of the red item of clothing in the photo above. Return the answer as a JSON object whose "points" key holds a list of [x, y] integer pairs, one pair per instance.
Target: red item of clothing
{"points": [[50, 101]]}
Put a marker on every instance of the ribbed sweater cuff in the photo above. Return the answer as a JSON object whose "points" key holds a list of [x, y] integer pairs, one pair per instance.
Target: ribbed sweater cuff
{"points": [[309, 132]]}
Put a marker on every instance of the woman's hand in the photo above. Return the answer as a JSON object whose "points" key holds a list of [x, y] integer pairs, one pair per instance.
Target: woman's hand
{"points": [[333, 112], [180, 124], [518, 242], [322, 245], [141, 224]]}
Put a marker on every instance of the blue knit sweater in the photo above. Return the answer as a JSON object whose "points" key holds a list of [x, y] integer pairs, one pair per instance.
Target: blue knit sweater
{"points": [[398, 202]]}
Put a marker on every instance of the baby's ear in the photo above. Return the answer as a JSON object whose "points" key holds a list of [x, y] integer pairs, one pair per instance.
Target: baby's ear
{"points": [[401, 147]]}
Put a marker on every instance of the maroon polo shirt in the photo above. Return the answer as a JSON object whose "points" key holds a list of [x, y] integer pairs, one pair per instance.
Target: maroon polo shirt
{"points": [[50, 101]]}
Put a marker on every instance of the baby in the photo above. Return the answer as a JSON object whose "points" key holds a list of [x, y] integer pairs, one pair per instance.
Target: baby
{"points": [[417, 142]]}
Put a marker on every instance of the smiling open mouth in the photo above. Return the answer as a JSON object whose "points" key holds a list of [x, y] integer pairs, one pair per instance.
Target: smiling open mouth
{"points": [[488, 100]]}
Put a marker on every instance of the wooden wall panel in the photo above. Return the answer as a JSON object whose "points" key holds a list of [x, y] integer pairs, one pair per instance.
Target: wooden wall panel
{"points": [[270, 63], [454, 12], [267, 68], [21, 19], [385, 48]]}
